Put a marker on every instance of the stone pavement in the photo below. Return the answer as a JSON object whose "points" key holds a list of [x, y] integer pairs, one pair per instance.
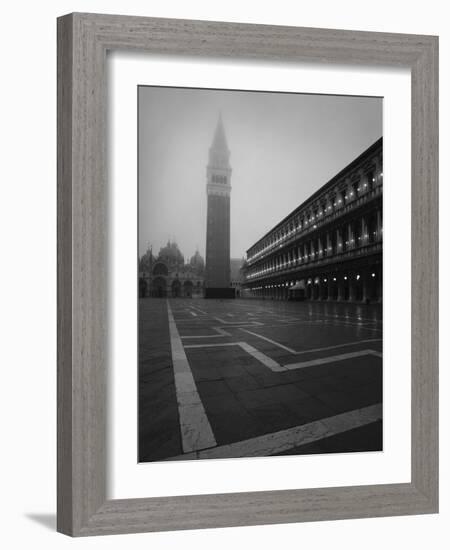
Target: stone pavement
{"points": [[252, 378]]}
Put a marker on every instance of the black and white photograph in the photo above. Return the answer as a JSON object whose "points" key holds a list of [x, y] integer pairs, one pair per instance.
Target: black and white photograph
{"points": [[220, 328], [260, 273]]}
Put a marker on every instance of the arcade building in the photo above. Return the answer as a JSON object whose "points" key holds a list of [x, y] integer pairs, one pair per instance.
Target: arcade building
{"points": [[330, 246]]}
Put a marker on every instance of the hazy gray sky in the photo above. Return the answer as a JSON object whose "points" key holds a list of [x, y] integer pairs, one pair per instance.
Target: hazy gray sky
{"points": [[283, 148]]}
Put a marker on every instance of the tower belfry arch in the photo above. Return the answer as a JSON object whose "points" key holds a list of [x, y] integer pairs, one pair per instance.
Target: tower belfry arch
{"points": [[218, 191]]}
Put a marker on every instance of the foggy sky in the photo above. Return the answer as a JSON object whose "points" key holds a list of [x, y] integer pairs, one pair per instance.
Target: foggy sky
{"points": [[283, 148]]}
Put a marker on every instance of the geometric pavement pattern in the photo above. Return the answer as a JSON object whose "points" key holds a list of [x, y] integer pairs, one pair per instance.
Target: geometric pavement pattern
{"points": [[234, 378]]}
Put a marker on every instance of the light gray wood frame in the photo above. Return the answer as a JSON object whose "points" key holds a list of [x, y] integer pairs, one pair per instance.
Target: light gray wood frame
{"points": [[83, 40]]}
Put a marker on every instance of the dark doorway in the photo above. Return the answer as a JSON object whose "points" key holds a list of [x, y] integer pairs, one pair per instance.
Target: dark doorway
{"points": [[159, 287], [176, 289]]}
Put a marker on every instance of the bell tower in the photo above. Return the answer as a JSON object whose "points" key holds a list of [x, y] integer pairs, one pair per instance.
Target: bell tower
{"points": [[218, 190]]}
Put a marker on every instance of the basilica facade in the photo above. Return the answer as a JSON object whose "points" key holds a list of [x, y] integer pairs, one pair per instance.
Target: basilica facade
{"points": [[168, 275], [330, 246]]}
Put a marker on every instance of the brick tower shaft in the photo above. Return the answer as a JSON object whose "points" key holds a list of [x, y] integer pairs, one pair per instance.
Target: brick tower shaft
{"points": [[218, 189]]}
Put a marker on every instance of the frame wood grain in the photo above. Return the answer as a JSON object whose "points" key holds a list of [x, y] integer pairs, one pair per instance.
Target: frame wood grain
{"points": [[83, 40]]}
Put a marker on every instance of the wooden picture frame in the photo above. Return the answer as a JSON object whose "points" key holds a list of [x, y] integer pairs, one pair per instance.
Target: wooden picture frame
{"points": [[83, 40]]}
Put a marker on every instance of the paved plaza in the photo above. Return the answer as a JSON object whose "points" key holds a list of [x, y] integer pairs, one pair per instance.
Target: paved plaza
{"points": [[236, 378]]}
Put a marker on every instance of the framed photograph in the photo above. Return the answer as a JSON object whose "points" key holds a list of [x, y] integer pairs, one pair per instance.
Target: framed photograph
{"points": [[247, 274]]}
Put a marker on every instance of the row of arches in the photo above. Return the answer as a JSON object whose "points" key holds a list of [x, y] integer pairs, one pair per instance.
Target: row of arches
{"points": [[350, 286], [357, 234], [160, 288]]}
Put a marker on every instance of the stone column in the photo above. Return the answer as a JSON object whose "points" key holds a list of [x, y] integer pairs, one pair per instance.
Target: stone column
{"points": [[379, 226], [318, 286], [341, 291], [364, 232], [348, 190], [351, 288], [351, 237], [323, 287], [330, 287], [313, 255], [320, 251], [377, 171], [328, 241], [363, 184], [365, 286], [339, 241]]}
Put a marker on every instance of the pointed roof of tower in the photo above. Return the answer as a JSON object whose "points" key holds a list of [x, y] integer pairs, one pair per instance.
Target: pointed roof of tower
{"points": [[220, 139]]}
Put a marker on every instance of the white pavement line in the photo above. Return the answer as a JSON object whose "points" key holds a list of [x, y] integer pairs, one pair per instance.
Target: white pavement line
{"points": [[290, 350], [313, 350], [199, 310], [244, 324], [190, 346], [356, 342], [261, 357], [332, 359], [221, 320], [359, 325], [238, 323], [285, 440], [219, 330], [203, 336], [276, 367], [196, 432]]}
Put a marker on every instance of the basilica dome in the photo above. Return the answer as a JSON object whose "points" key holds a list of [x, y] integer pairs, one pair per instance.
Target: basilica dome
{"points": [[171, 255], [197, 263]]}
